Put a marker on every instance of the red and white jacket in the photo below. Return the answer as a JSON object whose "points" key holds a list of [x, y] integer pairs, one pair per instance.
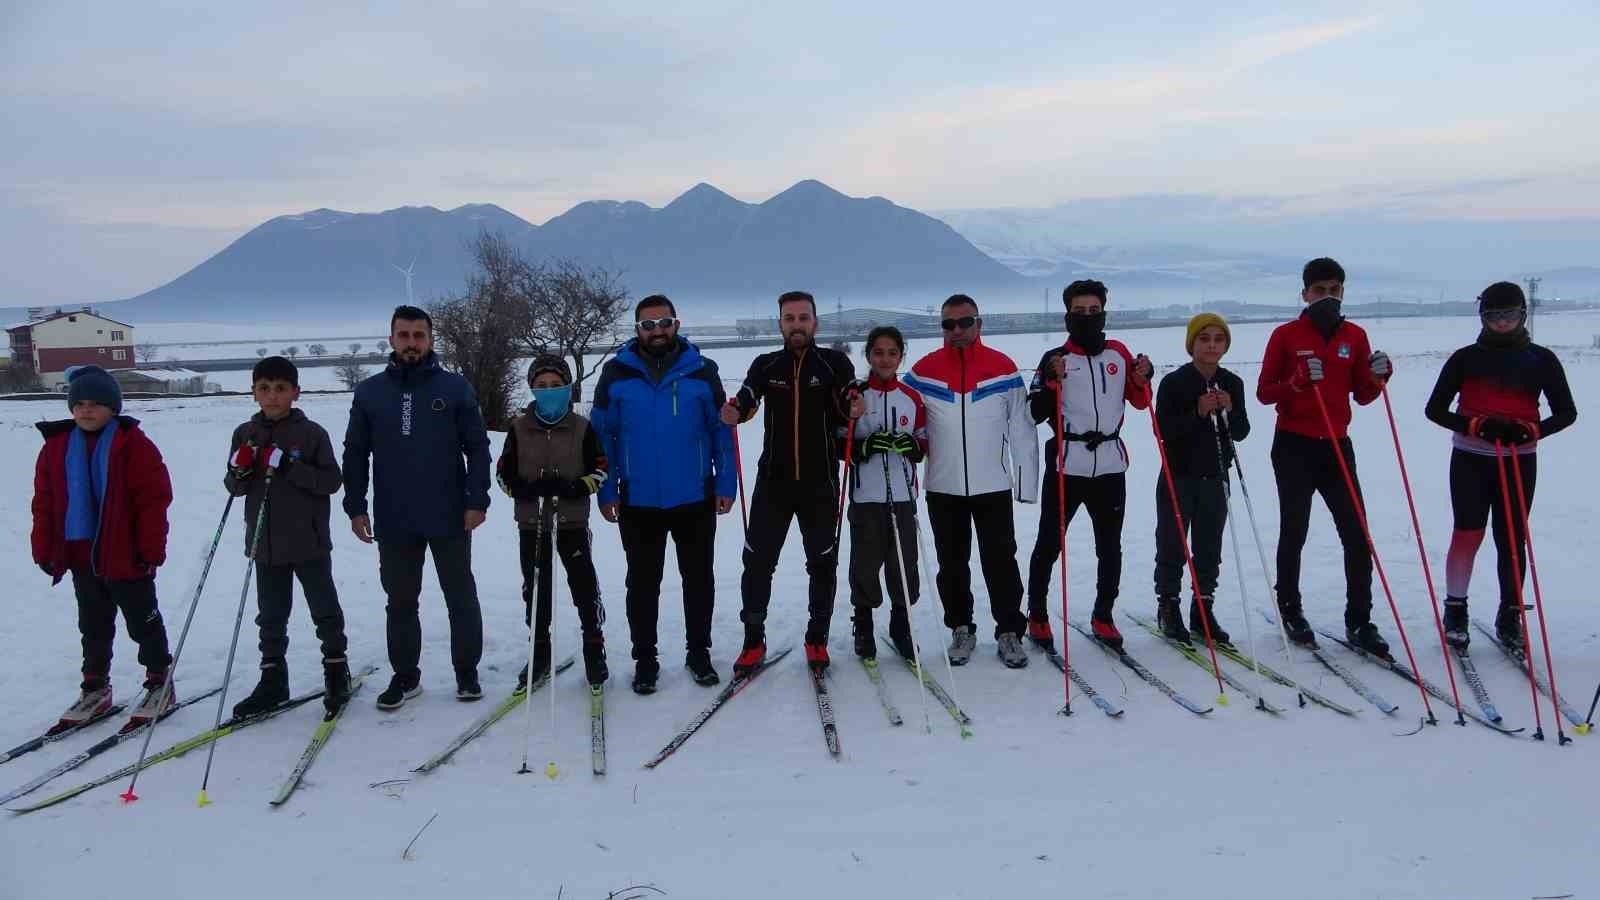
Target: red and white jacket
{"points": [[980, 438], [891, 406], [1098, 389]]}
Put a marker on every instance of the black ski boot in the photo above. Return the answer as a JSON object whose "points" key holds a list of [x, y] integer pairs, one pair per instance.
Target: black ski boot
{"points": [[1169, 620], [1508, 627], [271, 690], [1456, 629], [866, 645], [698, 662], [1198, 627], [645, 673], [900, 634], [401, 688], [594, 660], [541, 665], [335, 684], [1295, 624], [1365, 636]]}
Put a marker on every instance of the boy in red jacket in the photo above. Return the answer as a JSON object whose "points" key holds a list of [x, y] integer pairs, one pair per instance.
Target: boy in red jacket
{"points": [[1321, 353], [100, 498]]}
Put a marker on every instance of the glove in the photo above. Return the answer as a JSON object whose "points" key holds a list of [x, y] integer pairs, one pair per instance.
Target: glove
{"points": [[904, 443], [45, 568], [1381, 366], [1307, 374], [243, 461], [276, 461], [876, 442], [580, 487], [1143, 369], [1492, 429]]}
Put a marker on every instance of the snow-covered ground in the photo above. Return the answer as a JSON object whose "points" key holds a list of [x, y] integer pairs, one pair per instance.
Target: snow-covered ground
{"points": [[1160, 803]]}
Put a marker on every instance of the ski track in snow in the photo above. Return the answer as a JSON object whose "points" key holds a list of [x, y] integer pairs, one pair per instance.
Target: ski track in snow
{"points": [[1158, 804]]}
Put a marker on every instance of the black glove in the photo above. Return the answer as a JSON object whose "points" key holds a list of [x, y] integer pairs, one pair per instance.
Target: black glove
{"points": [[1494, 428], [45, 568], [876, 442]]}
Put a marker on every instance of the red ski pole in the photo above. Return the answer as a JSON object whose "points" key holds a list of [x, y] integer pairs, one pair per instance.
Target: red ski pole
{"points": [[1188, 559], [1361, 517], [1061, 529], [738, 467], [1538, 600], [1427, 573], [1516, 569], [844, 485]]}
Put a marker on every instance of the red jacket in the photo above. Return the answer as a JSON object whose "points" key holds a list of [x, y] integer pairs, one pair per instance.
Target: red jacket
{"points": [[133, 520], [1345, 372]]}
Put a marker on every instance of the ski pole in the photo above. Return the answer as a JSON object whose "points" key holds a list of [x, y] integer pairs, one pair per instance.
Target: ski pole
{"points": [[905, 592], [1188, 559], [738, 468], [1588, 721], [172, 669], [1261, 552], [1538, 599], [1061, 534], [533, 630], [844, 485], [233, 645], [1517, 570], [938, 599], [1422, 553], [550, 566], [1238, 558], [1361, 517]]}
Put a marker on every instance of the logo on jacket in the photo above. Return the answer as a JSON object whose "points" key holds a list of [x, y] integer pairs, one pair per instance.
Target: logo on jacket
{"points": [[815, 382], [405, 415], [1111, 368], [904, 421], [438, 404], [1344, 351]]}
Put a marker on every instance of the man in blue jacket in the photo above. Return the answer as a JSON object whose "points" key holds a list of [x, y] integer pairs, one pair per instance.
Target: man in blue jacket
{"points": [[656, 411], [423, 430]]}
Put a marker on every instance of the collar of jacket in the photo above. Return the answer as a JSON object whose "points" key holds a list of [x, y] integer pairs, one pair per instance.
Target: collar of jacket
{"points": [[1071, 346], [295, 415], [62, 426], [427, 366], [873, 381], [688, 358]]}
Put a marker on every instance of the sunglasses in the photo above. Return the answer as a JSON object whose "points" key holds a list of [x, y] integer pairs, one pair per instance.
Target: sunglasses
{"points": [[1501, 315], [963, 323], [662, 323]]}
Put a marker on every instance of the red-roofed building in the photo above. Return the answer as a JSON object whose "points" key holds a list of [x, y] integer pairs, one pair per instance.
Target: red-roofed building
{"points": [[50, 345]]}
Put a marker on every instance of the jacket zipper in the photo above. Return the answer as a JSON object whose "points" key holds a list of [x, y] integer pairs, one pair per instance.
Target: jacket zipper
{"points": [[966, 476], [795, 405]]}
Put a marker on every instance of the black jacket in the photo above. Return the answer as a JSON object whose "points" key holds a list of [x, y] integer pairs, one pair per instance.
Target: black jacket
{"points": [[297, 511], [1192, 440], [805, 410]]}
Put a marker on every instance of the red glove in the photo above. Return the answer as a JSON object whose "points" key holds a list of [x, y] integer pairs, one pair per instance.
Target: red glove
{"points": [[275, 460], [243, 461]]}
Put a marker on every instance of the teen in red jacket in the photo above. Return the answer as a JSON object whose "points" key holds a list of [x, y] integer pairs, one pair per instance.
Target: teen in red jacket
{"points": [[100, 498], [1320, 353]]}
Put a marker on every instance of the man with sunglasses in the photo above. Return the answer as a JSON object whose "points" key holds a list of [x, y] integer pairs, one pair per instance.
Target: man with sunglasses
{"points": [[982, 450], [655, 410], [810, 394]]}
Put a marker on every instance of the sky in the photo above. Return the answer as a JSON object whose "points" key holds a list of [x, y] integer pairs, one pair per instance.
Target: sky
{"points": [[137, 139]]}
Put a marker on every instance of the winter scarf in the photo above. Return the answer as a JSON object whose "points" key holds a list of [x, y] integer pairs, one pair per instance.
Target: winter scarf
{"points": [[86, 481]]}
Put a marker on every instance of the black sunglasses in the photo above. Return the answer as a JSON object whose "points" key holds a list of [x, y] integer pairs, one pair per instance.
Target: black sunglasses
{"points": [[963, 322], [662, 323]]}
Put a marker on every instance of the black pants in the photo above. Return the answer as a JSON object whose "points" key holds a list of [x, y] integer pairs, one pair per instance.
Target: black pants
{"points": [[1106, 499], [98, 602], [952, 520], [573, 546], [1478, 505], [1303, 467], [873, 550], [1204, 503], [400, 559], [775, 504], [644, 530], [274, 597]]}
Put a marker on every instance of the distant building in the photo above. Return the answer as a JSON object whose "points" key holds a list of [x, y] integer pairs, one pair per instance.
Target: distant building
{"points": [[161, 381], [53, 342]]}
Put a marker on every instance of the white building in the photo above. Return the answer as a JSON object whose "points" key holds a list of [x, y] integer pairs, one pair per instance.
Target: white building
{"points": [[51, 344]]}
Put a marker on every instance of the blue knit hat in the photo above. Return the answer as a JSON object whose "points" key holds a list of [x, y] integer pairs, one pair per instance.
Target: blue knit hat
{"points": [[94, 383]]}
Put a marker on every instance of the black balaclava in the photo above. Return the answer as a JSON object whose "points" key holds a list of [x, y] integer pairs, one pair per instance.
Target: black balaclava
{"points": [[1325, 317], [1087, 330]]}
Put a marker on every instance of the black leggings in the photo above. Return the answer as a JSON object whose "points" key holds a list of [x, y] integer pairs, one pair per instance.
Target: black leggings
{"points": [[1478, 504]]}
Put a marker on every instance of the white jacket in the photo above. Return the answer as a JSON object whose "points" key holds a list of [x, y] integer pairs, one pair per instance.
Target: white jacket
{"points": [[980, 437], [890, 407], [1098, 390]]}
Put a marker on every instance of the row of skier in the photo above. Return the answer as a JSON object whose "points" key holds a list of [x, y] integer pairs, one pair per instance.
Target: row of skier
{"points": [[658, 452]]}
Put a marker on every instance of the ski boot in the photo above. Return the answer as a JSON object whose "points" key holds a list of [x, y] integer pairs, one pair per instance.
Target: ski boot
{"points": [[698, 662], [94, 700], [335, 684], [1009, 648], [1456, 630], [1170, 620], [1198, 627], [271, 691]]}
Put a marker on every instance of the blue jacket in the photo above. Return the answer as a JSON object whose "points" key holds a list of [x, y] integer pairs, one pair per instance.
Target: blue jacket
{"points": [[664, 441], [430, 451]]}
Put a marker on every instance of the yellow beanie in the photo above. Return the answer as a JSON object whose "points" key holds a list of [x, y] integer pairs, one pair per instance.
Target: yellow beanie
{"points": [[1201, 323]]}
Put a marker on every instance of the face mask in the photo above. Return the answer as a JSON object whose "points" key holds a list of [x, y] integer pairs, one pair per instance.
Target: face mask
{"points": [[1325, 315], [551, 404], [1086, 329]]}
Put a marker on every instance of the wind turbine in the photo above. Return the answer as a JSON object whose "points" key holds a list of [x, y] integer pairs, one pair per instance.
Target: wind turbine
{"points": [[407, 273]]}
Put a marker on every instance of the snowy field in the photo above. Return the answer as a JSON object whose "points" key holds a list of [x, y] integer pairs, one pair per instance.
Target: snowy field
{"points": [[1160, 803]]}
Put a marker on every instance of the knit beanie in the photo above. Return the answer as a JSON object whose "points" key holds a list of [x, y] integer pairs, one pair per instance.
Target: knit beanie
{"points": [[94, 383], [1201, 323]]}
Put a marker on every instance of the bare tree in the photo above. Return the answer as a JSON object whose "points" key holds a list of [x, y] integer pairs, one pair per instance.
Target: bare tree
{"points": [[291, 351], [572, 310], [318, 350], [351, 374], [479, 333], [381, 346], [146, 352], [355, 349], [261, 352]]}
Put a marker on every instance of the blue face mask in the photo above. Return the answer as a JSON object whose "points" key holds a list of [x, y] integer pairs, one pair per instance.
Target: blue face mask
{"points": [[551, 404]]}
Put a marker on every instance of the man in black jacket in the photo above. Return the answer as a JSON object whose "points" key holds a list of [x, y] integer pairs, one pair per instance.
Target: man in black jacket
{"points": [[810, 393], [1192, 404]]}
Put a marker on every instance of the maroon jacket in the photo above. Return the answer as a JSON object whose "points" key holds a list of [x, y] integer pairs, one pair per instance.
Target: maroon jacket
{"points": [[133, 521]]}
